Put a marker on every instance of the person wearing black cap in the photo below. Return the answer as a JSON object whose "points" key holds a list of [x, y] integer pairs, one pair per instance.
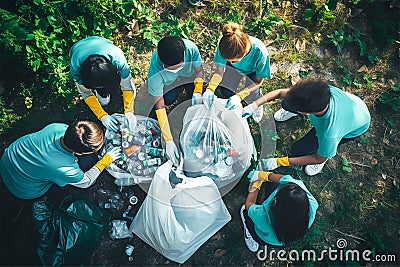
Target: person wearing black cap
{"points": [[336, 116]]}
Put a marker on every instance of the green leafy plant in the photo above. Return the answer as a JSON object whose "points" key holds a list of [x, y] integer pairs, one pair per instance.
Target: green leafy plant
{"points": [[177, 27], [346, 165], [321, 12], [265, 24]]}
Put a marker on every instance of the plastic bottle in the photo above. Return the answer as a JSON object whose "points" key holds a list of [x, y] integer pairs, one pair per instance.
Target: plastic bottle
{"points": [[129, 250], [124, 181], [150, 162], [149, 171], [133, 149], [157, 152]]}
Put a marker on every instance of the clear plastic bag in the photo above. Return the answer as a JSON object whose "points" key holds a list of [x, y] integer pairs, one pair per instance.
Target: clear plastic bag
{"points": [[217, 143], [142, 151], [120, 229], [177, 220]]}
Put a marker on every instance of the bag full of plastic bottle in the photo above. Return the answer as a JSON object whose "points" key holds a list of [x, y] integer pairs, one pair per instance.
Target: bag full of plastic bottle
{"points": [[142, 151], [217, 143]]}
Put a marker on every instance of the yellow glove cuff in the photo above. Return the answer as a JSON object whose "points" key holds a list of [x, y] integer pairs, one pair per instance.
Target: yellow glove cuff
{"points": [[164, 124], [243, 94], [198, 85], [129, 100], [104, 162], [214, 82], [95, 106], [283, 161], [263, 176], [257, 184]]}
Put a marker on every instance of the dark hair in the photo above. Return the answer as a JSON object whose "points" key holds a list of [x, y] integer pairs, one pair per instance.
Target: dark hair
{"points": [[170, 50], [234, 43], [84, 136], [290, 208], [97, 72], [310, 95]]}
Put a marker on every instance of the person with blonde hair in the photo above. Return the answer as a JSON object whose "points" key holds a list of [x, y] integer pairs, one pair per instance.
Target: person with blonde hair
{"points": [[239, 55], [56, 155]]}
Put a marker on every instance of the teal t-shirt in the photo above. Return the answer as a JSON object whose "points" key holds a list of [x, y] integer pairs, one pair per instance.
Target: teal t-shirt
{"points": [[347, 117], [31, 164], [257, 60], [260, 214], [158, 77], [96, 45]]}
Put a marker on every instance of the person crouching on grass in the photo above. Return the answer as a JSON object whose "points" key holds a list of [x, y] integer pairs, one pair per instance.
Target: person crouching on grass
{"points": [[283, 218], [337, 117], [58, 155]]}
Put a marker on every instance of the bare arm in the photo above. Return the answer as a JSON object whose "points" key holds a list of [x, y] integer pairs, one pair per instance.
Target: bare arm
{"points": [[306, 160], [257, 84], [198, 72], [159, 102], [276, 94]]}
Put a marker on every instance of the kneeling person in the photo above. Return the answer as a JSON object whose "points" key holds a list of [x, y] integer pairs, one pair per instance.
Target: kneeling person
{"points": [[283, 218], [54, 155]]}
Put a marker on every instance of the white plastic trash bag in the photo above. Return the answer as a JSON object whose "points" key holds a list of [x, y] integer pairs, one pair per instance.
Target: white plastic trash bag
{"points": [[142, 151], [177, 220], [217, 143]]}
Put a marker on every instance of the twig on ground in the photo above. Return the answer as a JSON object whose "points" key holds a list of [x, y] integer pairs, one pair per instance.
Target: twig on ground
{"points": [[359, 164], [352, 236]]}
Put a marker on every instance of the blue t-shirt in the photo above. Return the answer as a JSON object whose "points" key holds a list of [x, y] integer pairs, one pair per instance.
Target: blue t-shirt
{"points": [[260, 214], [31, 164], [96, 45], [347, 117], [158, 77], [257, 60]]}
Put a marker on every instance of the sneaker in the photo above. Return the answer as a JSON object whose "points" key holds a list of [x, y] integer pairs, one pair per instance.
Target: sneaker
{"points": [[198, 3], [258, 113], [314, 169], [283, 115], [251, 244], [104, 101]]}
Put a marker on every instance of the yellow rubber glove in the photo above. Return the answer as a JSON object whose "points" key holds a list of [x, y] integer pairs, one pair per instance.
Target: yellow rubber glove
{"points": [[198, 86], [258, 177], [164, 124], [109, 157], [95, 106], [214, 82], [129, 100], [283, 161], [170, 148], [243, 94]]}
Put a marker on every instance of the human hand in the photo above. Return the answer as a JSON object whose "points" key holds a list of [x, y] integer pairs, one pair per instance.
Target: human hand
{"points": [[249, 110], [114, 153], [110, 123], [273, 163], [232, 102], [130, 121], [197, 99], [208, 98], [172, 152]]}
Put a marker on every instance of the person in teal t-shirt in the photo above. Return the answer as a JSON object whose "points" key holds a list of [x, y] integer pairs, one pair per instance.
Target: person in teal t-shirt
{"points": [[336, 116], [283, 218], [37, 161], [239, 55], [175, 64], [99, 68]]}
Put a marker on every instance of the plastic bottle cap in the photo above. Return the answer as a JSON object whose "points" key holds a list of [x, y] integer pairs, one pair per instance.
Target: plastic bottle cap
{"points": [[133, 200]]}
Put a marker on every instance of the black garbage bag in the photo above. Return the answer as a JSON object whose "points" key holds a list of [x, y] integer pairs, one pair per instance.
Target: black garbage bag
{"points": [[69, 233]]}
